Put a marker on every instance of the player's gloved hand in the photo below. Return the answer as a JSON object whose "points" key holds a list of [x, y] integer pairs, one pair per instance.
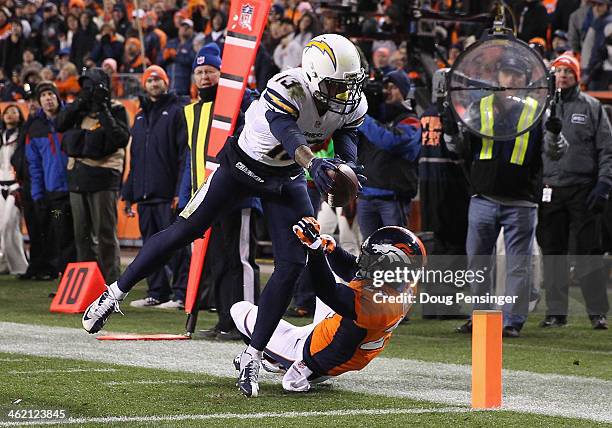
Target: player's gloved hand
{"points": [[318, 171], [328, 243], [296, 378], [596, 200], [307, 230]]}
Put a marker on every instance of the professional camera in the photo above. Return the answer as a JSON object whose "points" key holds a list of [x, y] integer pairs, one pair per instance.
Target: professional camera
{"points": [[373, 90]]}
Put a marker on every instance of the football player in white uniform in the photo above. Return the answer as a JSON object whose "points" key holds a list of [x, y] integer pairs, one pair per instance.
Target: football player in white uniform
{"points": [[299, 107]]}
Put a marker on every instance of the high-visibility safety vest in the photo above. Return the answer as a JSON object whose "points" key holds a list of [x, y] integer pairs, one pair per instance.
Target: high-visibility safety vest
{"points": [[520, 142], [199, 118]]}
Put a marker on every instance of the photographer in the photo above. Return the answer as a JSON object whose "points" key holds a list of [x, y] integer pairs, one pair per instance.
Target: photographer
{"points": [[95, 135], [388, 151]]}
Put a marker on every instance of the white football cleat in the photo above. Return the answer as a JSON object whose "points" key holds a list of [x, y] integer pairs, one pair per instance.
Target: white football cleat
{"points": [[99, 311], [248, 381]]}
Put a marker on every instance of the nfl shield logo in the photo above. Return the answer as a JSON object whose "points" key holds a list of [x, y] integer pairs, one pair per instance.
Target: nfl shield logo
{"points": [[246, 16]]}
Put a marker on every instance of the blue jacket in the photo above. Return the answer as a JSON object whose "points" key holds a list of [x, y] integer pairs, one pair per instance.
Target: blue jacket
{"points": [[46, 160], [179, 67], [157, 151], [387, 154]]}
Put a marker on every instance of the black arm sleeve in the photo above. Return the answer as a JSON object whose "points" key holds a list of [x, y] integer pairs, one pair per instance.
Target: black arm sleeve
{"points": [[285, 129], [345, 144], [343, 263], [67, 117], [339, 297], [114, 122]]}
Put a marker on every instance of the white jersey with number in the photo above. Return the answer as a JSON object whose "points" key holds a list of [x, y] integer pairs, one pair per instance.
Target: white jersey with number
{"points": [[288, 93]]}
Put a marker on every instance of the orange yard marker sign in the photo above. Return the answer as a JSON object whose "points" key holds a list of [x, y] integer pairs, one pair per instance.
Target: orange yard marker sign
{"points": [[81, 284], [486, 359]]}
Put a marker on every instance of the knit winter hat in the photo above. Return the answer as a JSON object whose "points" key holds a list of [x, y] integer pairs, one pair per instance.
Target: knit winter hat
{"points": [[155, 70], [568, 60], [209, 54], [47, 85]]}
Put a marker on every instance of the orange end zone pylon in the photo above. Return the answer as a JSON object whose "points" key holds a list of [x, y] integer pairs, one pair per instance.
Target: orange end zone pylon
{"points": [[487, 359]]}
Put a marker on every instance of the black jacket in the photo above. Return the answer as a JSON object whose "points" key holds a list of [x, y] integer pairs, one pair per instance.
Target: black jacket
{"points": [[157, 151], [95, 143]]}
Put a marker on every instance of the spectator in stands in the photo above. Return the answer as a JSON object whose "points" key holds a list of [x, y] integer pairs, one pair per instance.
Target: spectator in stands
{"points": [[29, 60], [120, 21], [30, 14], [562, 13], [72, 27], [95, 135], [47, 74], [108, 45], [307, 28], [51, 29], [156, 160], [154, 38], [532, 19], [12, 89], [11, 243], [39, 264], [285, 54], [12, 47], [388, 149], [579, 22], [594, 64], [380, 61], [576, 189], [560, 43], [132, 61], [84, 40], [177, 58], [167, 21], [218, 30], [68, 82], [47, 166], [330, 23]]}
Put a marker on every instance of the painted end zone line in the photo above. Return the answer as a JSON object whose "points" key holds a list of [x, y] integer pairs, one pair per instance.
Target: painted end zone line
{"points": [[174, 418]]}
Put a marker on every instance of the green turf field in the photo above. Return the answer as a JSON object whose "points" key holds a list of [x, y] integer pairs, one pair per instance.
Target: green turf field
{"points": [[95, 392]]}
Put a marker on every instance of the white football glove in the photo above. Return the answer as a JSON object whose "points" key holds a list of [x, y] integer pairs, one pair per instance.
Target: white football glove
{"points": [[296, 378]]}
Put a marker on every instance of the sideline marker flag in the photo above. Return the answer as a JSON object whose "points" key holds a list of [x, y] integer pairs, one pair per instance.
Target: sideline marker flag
{"points": [[81, 284], [487, 359], [247, 20]]}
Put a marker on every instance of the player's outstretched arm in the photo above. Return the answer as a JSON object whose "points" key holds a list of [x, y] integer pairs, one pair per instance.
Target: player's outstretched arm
{"points": [[338, 297]]}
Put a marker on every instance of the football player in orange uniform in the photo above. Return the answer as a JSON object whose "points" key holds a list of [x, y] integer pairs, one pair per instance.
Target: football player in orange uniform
{"points": [[353, 322]]}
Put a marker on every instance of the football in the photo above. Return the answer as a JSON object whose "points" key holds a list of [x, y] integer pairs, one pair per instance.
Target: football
{"points": [[344, 188]]}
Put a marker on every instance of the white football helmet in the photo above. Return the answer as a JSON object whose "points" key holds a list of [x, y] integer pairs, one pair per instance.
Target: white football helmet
{"points": [[332, 68]]}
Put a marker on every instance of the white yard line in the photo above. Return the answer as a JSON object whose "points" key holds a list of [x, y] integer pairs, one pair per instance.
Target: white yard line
{"points": [[177, 418], [549, 394], [60, 371]]}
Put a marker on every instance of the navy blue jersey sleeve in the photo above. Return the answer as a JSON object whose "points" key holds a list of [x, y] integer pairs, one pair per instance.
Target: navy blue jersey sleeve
{"points": [[339, 297], [343, 263], [284, 128], [345, 144]]}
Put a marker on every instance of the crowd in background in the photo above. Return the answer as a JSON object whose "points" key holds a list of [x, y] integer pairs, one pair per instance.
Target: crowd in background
{"points": [[44, 46]]}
